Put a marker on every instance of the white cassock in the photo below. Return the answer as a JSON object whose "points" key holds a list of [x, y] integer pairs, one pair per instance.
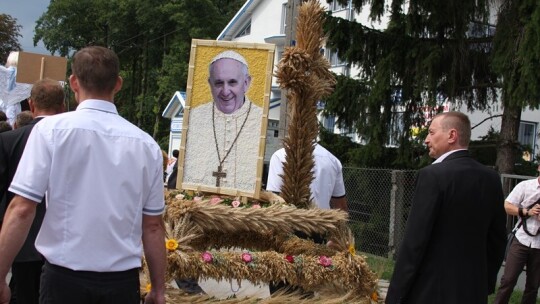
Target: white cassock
{"points": [[201, 158]]}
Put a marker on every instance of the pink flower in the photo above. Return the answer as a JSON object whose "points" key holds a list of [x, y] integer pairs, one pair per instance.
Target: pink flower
{"points": [[289, 258], [215, 200], [235, 204], [325, 261], [180, 196], [207, 257], [256, 206], [197, 199], [246, 257]]}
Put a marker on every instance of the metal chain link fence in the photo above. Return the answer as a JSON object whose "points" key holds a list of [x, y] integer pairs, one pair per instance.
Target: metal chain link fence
{"points": [[379, 202]]}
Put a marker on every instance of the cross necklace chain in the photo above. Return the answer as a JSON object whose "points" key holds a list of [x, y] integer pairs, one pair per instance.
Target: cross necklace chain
{"points": [[219, 174]]}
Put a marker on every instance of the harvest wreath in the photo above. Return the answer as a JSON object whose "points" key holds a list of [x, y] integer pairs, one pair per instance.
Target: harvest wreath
{"points": [[197, 227]]}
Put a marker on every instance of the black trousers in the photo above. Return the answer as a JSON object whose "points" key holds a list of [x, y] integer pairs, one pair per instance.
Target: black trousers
{"points": [[26, 277], [518, 256], [61, 285]]}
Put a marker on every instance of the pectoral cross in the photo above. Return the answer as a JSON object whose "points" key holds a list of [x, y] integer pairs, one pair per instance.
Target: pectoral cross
{"points": [[219, 174]]}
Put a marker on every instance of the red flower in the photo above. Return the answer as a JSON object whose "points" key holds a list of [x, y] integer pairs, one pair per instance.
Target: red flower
{"points": [[207, 257], [325, 261], [246, 257], [289, 258]]}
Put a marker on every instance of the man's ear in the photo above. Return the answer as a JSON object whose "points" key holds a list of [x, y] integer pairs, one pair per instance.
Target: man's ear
{"points": [[31, 105], [118, 86], [74, 83], [452, 136]]}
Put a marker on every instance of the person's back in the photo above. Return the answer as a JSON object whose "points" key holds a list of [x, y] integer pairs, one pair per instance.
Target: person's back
{"points": [[456, 253], [104, 182], [454, 241], [46, 98], [106, 158], [327, 176]]}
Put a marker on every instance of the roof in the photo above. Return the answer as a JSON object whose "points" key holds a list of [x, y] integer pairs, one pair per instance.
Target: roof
{"points": [[175, 105], [238, 20]]}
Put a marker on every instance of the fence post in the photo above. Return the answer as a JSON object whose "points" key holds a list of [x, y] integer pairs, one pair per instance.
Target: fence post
{"points": [[391, 232], [396, 213]]}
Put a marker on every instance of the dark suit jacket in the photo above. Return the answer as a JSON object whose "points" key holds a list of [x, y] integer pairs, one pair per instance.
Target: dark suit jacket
{"points": [[455, 237], [12, 145]]}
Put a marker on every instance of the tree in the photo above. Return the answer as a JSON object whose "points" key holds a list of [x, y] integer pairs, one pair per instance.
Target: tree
{"points": [[429, 51], [153, 49], [9, 36], [516, 59]]}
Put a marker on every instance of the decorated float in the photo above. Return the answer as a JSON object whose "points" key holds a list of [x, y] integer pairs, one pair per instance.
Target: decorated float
{"points": [[234, 239]]}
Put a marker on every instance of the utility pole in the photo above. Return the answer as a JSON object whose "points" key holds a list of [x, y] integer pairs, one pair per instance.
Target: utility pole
{"points": [[290, 40]]}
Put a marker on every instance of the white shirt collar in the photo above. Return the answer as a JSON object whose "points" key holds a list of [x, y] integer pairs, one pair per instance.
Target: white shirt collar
{"points": [[99, 105], [445, 155]]}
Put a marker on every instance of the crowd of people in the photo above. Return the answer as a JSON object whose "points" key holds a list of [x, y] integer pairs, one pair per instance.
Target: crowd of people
{"points": [[110, 196], [78, 239]]}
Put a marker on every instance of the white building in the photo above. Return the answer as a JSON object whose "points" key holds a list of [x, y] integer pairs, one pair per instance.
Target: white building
{"points": [[175, 112], [264, 21]]}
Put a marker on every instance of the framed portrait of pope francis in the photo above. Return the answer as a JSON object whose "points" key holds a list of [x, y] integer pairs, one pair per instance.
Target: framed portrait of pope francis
{"points": [[225, 118]]}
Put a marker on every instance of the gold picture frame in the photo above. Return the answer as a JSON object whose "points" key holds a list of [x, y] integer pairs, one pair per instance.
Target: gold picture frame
{"points": [[203, 153]]}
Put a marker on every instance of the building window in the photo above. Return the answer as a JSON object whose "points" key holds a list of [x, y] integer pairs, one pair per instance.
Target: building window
{"points": [[335, 6], [333, 58], [527, 134], [283, 18], [329, 123], [246, 30]]}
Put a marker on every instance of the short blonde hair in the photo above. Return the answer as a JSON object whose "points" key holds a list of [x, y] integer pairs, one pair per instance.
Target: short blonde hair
{"points": [[458, 121]]}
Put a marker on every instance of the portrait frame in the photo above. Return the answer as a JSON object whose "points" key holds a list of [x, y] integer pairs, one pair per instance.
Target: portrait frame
{"points": [[260, 61]]}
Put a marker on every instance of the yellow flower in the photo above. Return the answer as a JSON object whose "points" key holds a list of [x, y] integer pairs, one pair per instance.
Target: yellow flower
{"points": [[148, 287], [375, 296], [352, 250], [171, 244]]}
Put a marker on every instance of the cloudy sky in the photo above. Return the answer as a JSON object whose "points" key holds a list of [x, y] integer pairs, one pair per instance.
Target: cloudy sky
{"points": [[26, 12]]}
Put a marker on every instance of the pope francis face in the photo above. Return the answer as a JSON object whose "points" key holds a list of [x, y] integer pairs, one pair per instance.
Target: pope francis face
{"points": [[229, 82]]}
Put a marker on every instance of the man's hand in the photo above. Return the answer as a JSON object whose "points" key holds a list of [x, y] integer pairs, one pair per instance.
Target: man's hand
{"points": [[5, 293], [151, 298]]}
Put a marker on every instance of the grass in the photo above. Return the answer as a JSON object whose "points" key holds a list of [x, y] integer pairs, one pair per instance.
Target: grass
{"points": [[515, 298], [384, 267]]}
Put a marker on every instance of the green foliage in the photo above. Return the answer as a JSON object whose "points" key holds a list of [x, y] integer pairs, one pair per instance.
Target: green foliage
{"points": [[485, 151], [9, 36], [383, 267], [515, 298], [517, 52], [152, 39], [353, 154], [434, 51]]}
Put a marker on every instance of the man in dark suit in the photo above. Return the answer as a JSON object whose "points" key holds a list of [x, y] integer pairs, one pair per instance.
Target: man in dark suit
{"points": [[47, 98], [455, 238]]}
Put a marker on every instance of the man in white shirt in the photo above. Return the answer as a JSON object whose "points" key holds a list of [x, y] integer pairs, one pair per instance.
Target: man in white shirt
{"points": [[327, 187], [523, 201], [104, 182]]}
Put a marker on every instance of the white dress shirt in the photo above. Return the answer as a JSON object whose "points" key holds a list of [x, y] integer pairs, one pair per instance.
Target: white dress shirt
{"points": [[101, 174], [327, 176], [524, 195]]}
